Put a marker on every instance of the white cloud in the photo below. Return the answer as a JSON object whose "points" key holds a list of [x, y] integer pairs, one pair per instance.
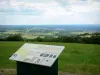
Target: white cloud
{"points": [[50, 12], [80, 5]]}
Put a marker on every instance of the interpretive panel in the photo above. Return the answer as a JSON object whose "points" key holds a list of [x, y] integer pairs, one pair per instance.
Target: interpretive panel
{"points": [[38, 54]]}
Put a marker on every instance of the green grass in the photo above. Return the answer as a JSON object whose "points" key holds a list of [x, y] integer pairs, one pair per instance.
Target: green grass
{"points": [[75, 58], [6, 50]]}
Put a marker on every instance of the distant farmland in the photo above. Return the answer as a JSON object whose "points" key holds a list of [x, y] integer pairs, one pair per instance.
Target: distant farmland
{"points": [[76, 58], [31, 32]]}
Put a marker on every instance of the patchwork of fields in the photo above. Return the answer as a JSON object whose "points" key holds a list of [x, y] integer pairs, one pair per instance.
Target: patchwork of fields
{"points": [[76, 58]]}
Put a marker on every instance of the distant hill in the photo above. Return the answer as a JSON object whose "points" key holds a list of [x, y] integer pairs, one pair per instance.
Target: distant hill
{"points": [[72, 28], [33, 31]]}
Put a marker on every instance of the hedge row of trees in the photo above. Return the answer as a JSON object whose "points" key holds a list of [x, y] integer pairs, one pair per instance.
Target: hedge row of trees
{"points": [[16, 37], [94, 39], [70, 39]]}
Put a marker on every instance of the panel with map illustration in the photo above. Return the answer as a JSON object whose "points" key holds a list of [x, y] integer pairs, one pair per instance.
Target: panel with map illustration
{"points": [[38, 54]]}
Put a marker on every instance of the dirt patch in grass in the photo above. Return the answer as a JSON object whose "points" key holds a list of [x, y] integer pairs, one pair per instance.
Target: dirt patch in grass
{"points": [[68, 73], [7, 71], [13, 72]]}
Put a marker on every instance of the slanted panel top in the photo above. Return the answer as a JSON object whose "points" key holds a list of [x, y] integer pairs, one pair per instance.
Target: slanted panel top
{"points": [[38, 54]]}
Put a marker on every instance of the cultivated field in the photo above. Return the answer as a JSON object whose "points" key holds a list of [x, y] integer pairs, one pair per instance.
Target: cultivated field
{"points": [[78, 59]]}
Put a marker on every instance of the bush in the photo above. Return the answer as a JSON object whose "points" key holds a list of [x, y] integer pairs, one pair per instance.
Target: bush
{"points": [[16, 37]]}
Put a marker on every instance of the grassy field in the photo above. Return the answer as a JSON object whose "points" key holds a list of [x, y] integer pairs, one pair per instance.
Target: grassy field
{"points": [[76, 58]]}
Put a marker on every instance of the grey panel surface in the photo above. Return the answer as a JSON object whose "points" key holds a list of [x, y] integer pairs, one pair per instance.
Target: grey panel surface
{"points": [[38, 54]]}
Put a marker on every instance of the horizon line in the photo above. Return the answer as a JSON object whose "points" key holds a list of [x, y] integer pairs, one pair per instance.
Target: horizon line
{"points": [[48, 24]]}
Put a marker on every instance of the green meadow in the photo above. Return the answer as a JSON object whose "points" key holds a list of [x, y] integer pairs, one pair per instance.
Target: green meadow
{"points": [[76, 58]]}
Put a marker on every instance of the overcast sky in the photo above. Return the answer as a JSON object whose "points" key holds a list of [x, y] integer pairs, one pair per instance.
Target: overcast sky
{"points": [[40, 12]]}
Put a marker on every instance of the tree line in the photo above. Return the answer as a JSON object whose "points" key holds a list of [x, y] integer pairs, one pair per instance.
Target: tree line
{"points": [[94, 39]]}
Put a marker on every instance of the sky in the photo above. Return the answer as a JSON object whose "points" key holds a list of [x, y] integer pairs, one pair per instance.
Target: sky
{"points": [[49, 12]]}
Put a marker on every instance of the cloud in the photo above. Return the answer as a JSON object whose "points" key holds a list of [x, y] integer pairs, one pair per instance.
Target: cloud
{"points": [[80, 5], [69, 5], [18, 7], [49, 12]]}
